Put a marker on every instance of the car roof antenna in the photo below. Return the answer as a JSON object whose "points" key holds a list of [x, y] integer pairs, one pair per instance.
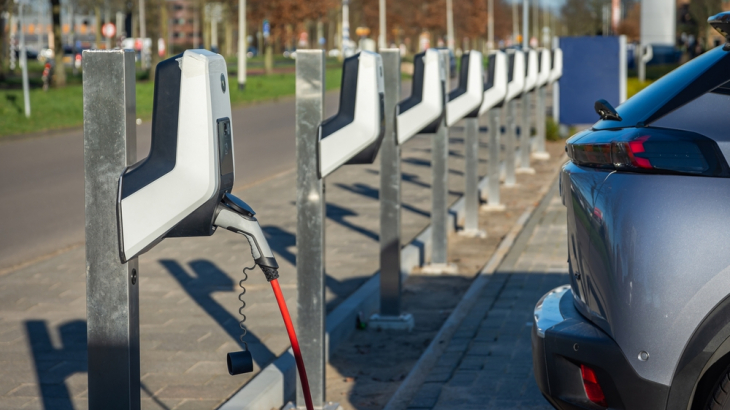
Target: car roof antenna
{"points": [[606, 111], [721, 23]]}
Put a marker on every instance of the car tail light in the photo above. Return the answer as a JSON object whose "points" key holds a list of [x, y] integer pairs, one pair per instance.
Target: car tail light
{"points": [[653, 150], [591, 386]]}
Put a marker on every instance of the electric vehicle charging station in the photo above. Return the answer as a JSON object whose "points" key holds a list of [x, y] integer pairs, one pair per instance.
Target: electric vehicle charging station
{"points": [[422, 112], [495, 91], [542, 81], [464, 103], [352, 136], [532, 71], [515, 87], [182, 189]]}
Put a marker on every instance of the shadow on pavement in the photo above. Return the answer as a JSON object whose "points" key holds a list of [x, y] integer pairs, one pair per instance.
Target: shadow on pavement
{"points": [[200, 287], [53, 366]]}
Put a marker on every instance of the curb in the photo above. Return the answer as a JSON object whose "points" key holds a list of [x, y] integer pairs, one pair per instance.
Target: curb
{"points": [[276, 383], [416, 377]]}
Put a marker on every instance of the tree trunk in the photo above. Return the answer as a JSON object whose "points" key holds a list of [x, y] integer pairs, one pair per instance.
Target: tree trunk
{"points": [[3, 37], [59, 71], [153, 16], [228, 31]]}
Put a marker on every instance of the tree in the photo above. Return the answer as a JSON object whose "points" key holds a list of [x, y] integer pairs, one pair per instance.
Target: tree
{"points": [[582, 17], [59, 70], [701, 10]]}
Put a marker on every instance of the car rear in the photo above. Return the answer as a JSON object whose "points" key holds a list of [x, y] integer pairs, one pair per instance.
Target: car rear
{"points": [[646, 196]]}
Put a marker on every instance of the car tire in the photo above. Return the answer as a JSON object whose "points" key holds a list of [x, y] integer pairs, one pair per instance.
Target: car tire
{"points": [[720, 397]]}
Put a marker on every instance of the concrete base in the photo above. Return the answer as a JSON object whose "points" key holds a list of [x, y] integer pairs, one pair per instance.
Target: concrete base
{"points": [[540, 156], [328, 406], [398, 323], [493, 207], [472, 233], [440, 268], [525, 171]]}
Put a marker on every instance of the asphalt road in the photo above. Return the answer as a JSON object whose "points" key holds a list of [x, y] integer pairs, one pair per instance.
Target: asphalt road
{"points": [[42, 178]]}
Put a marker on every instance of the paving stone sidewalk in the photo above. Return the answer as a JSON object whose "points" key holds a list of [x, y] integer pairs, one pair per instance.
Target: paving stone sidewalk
{"points": [[488, 362]]}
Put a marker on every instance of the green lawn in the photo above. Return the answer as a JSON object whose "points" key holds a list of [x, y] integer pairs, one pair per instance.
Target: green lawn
{"points": [[633, 86], [63, 108]]}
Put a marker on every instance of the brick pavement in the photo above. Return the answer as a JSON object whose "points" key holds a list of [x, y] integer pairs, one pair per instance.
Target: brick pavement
{"points": [[488, 362], [188, 293]]}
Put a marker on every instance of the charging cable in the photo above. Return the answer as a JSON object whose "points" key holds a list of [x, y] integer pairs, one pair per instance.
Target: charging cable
{"points": [[294, 343]]}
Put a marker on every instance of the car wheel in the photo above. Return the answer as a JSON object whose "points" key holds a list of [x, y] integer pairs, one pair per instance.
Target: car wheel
{"points": [[720, 397]]}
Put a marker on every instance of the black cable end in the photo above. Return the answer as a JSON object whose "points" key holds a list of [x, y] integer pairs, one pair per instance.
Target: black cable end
{"points": [[270, 273]]}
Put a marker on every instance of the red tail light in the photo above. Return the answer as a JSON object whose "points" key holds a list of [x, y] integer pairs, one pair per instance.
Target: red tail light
{"points": [[593, 389], [653, 150]]}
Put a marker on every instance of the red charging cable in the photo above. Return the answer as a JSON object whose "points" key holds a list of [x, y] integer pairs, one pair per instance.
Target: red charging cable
{"points": [[294, 342]]}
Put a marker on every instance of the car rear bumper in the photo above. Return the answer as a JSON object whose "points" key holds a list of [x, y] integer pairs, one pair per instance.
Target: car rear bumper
{"points": [[562, 340]]}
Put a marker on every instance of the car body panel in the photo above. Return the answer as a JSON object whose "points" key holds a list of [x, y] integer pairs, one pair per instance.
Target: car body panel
{"points": [[650, 258]]}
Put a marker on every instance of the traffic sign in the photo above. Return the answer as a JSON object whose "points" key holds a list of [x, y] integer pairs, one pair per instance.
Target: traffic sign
{"points": [[108, 30], [267, 29]]}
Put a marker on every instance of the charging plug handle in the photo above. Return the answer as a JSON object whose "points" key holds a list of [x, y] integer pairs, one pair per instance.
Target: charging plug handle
{"points": [[243, 222]]}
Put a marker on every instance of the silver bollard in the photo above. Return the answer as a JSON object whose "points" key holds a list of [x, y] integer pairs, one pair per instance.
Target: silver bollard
{"points": [[112, 290], [509, 145], [525, 131], [440, 193], [471, 190], [310, 72], [540, 117], [493, 167], [390, 316]]}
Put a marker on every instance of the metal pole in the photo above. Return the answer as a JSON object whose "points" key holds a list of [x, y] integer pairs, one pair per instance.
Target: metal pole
{"points": [[242, 44], [490, 24], [525, 131], [509, 145], [196, 27], [540, 115], [471, 189], [142, 33], [345, 28], [390, 198], [440, 192], [449, 26], [525, 24], [310, 72], [383, 27], [390, 316], [214, 16], [493, 171], [515, 24], [24, 62], [112, 290]]}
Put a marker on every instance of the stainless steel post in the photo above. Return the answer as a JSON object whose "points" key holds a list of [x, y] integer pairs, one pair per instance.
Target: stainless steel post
{"points": [[24, 62], [390, 316], [440, 192], [493, 168], [112, 289], [242, 44], [311, 313], [471, 189], [509, 145], [390, 180], [540, 152], [525, 131]]}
